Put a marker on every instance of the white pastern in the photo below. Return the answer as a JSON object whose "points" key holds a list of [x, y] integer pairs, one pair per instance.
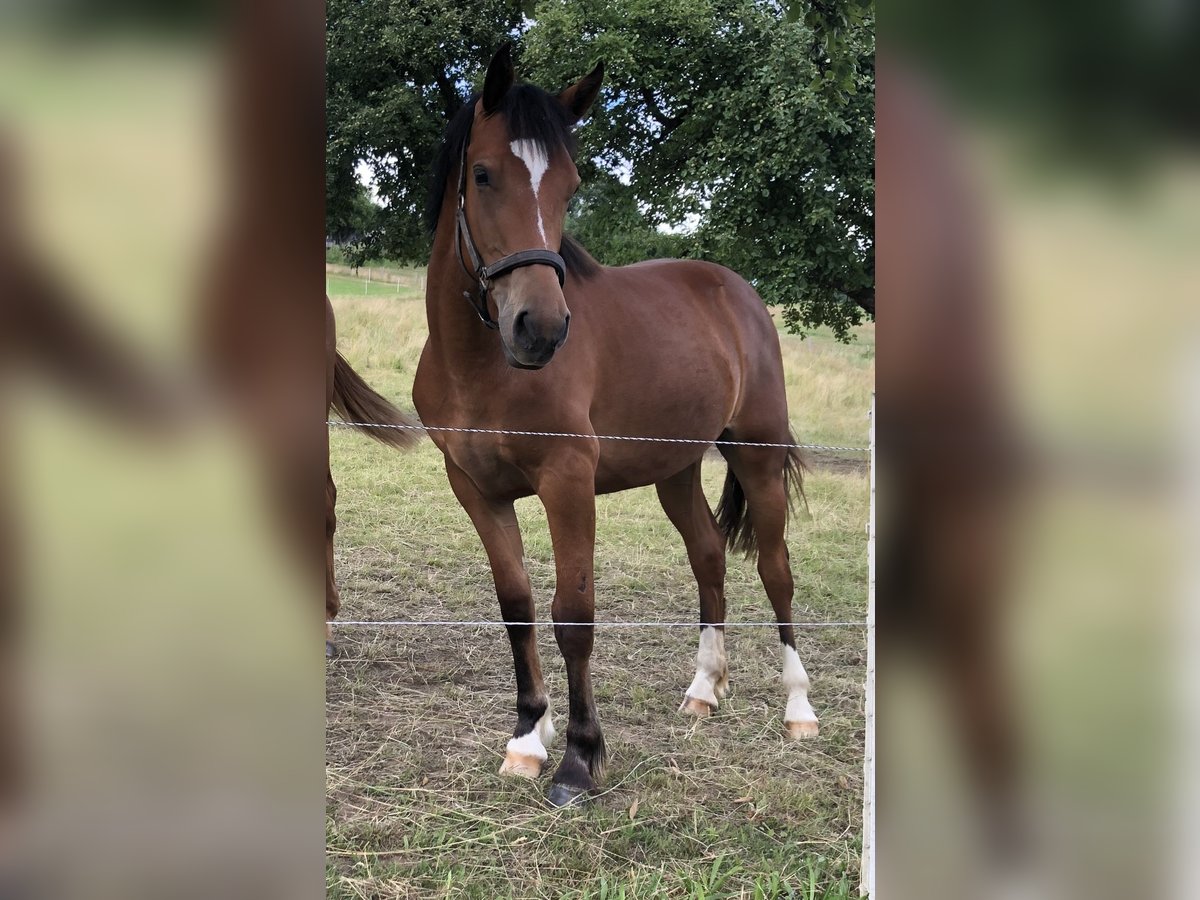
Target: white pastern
{"points": [[528, 745], [536, 161], [711, 667], [536, 741], [525, 755], [796, 682]]}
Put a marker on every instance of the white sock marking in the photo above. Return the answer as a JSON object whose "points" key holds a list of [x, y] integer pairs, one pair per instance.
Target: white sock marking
{"points": [[528, 745], [536, 161], [535, 743], [795, 679], [710, 666]]}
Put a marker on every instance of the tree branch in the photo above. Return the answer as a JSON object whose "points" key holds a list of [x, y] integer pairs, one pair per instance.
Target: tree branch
{"points": [[669, 123], [864, 297]]}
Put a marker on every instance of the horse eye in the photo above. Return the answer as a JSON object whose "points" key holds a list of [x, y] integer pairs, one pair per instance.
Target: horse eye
{"points": [[481, 176]]}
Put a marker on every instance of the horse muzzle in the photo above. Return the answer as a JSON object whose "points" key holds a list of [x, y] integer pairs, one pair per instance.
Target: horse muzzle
{"points": [[531, 340]]}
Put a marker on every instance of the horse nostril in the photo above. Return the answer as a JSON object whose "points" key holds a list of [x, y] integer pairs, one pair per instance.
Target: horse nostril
{"points": [[566, 328], [521, 328]]}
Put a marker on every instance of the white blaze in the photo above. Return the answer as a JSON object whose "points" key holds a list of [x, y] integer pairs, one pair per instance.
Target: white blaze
{"points": [[710, 666], [795, 679], [536, 161]]}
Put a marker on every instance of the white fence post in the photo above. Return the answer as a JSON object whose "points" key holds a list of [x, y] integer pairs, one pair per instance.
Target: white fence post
{"points": [[867, 876]]}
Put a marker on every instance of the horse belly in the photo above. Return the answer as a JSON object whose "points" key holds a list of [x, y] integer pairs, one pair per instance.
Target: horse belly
{"points": [[664, 404], [637, 464]]}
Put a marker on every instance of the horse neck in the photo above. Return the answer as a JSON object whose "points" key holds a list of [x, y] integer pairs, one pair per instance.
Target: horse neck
{"points": [[454, 329]]}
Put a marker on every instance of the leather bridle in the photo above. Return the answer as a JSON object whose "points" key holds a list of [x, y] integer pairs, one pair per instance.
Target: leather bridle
{"points": [[484, 275]]}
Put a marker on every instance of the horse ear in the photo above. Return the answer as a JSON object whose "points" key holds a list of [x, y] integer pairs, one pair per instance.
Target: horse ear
{"points": [[499, 78], [580, 96]]}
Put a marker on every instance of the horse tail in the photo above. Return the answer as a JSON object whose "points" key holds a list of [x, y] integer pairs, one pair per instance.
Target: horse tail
{"points": [[733, 516], [361, 407], [793, 476]]}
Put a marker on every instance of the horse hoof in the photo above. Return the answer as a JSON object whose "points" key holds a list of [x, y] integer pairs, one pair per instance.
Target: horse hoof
{"points": [[697, 708], [802, 730], [521, 764], [561, 795], [330, 650]]}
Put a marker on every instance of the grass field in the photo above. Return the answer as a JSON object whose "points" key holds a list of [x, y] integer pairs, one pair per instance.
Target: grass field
{"points": [[417, 718], [347, 286]]}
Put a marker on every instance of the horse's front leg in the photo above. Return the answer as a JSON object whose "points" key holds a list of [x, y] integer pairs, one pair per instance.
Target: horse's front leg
{"points": [[501, 536], [566, 486]]}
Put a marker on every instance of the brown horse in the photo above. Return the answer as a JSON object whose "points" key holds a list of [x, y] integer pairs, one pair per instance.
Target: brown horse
{"points": [[358, 404], [660, 349]]}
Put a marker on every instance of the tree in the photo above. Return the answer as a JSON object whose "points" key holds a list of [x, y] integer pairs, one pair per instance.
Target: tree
{"points": [[755, 123], [745, 126], [396, 71], [605, 217], [354, 217]]}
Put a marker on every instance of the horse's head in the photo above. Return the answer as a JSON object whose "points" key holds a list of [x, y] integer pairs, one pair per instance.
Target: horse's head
{"points": [[519, 178]]}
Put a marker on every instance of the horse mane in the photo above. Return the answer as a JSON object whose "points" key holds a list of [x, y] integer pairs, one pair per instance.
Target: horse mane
{"points": [[532, 115]]}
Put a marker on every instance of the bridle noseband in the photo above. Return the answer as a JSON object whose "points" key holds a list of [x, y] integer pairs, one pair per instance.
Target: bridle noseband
{"points": [[484, 275]]}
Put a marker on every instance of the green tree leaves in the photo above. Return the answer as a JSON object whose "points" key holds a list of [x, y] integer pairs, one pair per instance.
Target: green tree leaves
{"points": [[396, 71]]}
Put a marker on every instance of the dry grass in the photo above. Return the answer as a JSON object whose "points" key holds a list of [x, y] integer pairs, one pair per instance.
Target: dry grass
{"points": [[418, 717]]}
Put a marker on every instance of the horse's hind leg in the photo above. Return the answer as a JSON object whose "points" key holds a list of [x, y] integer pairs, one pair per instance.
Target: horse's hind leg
{"points": [[501, 536], [761, 475], [683, 500]]}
